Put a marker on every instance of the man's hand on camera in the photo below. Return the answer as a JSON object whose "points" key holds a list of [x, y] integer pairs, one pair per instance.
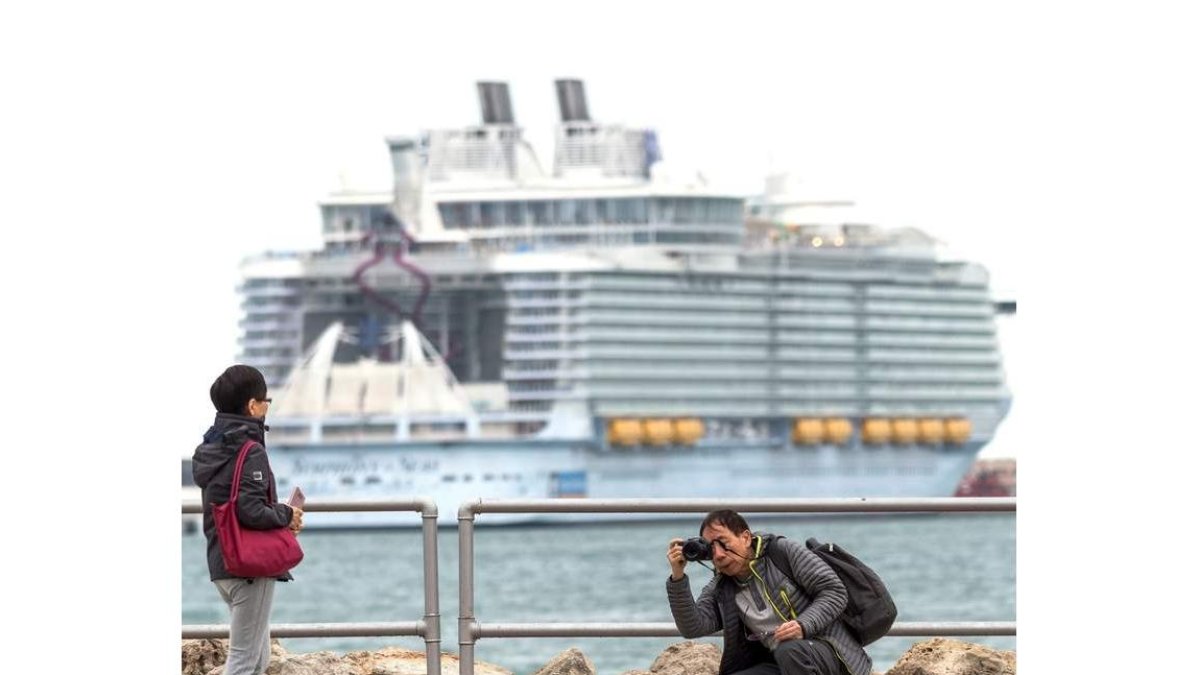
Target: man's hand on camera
{"points": [[675, 557]]}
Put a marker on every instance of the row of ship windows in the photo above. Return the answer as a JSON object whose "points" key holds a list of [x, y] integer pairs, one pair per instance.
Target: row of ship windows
{"points": [[550, 334], [784, 287], [630, 210], [717, 372]]}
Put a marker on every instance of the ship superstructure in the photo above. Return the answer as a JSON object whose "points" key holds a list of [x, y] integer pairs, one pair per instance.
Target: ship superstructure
{"points": [[591, 328]]}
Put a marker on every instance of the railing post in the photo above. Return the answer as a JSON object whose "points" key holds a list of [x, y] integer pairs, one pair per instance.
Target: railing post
{"points": [[466, 590], [433, 621]]}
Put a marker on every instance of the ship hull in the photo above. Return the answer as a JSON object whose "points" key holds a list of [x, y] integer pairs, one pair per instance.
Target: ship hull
{"points": [[455, 472]]}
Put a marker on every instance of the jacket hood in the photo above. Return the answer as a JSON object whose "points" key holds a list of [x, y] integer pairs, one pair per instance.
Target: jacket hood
{"points": [[221, 444]]}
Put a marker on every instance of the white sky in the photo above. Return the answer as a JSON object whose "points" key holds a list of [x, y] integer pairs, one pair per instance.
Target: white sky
{"points": [[148, 148]]}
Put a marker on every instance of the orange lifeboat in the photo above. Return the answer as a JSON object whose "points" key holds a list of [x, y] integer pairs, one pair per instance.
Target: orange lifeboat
{"points": [[838, 430], [808, 431], [688, 430], [657, 431], [624, 432], [876, 431], [931, 431], [904, 430], [958, 430]]}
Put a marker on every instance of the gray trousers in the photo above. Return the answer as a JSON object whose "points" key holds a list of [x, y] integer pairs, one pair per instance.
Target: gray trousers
{"points": [[799, 657], [249, 624]]}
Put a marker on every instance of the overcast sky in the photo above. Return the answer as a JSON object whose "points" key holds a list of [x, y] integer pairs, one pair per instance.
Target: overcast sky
{"points": [[257, 119], [148, 147]]}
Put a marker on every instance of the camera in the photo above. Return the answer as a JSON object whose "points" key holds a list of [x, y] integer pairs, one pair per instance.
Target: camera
{"points": [[697, 548]]}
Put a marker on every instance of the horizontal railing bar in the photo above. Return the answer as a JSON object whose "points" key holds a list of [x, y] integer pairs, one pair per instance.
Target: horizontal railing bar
{"points": [[844, 505], [907, 628], [193, 506], [194, 632]]}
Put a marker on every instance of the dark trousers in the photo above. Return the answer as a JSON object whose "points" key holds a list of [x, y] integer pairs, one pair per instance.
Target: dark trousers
{"points": [[799, 657]]}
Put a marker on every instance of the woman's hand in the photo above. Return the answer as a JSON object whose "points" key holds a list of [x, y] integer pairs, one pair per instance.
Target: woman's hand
{"points": [[297, 520]]}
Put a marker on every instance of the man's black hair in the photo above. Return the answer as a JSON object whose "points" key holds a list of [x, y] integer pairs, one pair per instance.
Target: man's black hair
{"points": [[731, 520], [232, 391]]}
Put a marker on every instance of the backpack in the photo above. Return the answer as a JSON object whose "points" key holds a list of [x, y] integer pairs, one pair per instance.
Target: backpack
{"points": [[870, 610]]}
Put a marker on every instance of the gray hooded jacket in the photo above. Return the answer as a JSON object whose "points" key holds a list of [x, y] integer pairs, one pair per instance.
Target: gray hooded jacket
{"points": [[816, 594]]}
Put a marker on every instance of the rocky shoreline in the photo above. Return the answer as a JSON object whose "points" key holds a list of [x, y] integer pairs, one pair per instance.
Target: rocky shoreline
{"points": [[939, 656]]}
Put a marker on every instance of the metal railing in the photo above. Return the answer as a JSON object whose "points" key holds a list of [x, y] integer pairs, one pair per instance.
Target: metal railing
{"points": [[470, 630], [429, 627]]}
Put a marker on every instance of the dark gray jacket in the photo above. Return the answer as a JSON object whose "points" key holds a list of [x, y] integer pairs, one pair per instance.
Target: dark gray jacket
{"points": [[816, 594], [213, 464]]}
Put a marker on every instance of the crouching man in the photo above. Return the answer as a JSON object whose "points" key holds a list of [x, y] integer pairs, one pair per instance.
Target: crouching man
{"points": [[773, 622]]}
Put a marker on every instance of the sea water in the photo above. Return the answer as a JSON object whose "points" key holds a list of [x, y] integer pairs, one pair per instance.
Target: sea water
{"points": [[939, 567]]}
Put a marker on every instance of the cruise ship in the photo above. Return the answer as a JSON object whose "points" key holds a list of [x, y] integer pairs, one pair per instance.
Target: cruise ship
{"points": [[495, 327]]}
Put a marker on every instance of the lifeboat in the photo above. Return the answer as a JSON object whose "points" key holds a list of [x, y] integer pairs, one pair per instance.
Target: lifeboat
{"points": [[931, 431], [958, 430], [838, 430], [688, 430], [624, 432], [876, 431], [657, 431], [904, 430], [808, 431]]}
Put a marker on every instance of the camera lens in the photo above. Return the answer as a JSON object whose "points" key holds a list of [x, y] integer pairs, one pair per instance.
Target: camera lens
{"points": [[697, 548]]}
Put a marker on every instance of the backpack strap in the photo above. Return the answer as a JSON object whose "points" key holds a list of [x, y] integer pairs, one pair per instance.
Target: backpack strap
{"points": [[237, 471]]}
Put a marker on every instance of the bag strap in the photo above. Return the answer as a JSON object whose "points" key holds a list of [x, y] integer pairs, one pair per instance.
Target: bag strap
{"points": [[237, 472]]}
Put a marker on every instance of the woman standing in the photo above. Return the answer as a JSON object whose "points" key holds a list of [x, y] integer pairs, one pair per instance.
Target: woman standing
{"points": [[240, 397]]}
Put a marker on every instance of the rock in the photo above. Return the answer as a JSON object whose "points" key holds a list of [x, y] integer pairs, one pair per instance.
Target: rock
{"points": [[570, 662], [207, 657], [317, 663], [201, 656], [397, 661], [688, 658], [942, 656], [637, 672]]}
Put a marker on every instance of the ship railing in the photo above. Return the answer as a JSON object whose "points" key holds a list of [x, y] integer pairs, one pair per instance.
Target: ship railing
{"points": [[470, 630], [427, 627]]}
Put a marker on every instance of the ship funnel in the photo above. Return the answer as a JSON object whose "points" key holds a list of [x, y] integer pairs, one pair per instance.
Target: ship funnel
{"points": [[494, 101], [572, 104]]}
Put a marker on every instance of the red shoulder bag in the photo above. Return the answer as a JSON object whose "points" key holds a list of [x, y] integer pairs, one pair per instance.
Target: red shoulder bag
{"points": [[247, 552]]}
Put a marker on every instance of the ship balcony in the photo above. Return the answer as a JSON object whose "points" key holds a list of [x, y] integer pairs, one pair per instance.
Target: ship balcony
{"points": [[966, 311], [268, 291], [517, 355], [958, 295], [545, 395], [544, 285], [512, 337], [514, 302], [988, 358], [981, 327], [816, 305], [931, 341], [257, 322], [266, 343], [265, 361], [791, 321], [649, 317], [519, 374], [993, 377], [937, 393], [676, 301]]}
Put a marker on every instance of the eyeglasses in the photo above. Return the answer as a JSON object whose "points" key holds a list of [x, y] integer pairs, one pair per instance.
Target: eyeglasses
{"points": [[267, 399], [759, 637]]}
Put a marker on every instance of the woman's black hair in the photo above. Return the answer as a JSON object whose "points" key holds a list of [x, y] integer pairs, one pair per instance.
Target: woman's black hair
{"points": [[232, 391]]}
